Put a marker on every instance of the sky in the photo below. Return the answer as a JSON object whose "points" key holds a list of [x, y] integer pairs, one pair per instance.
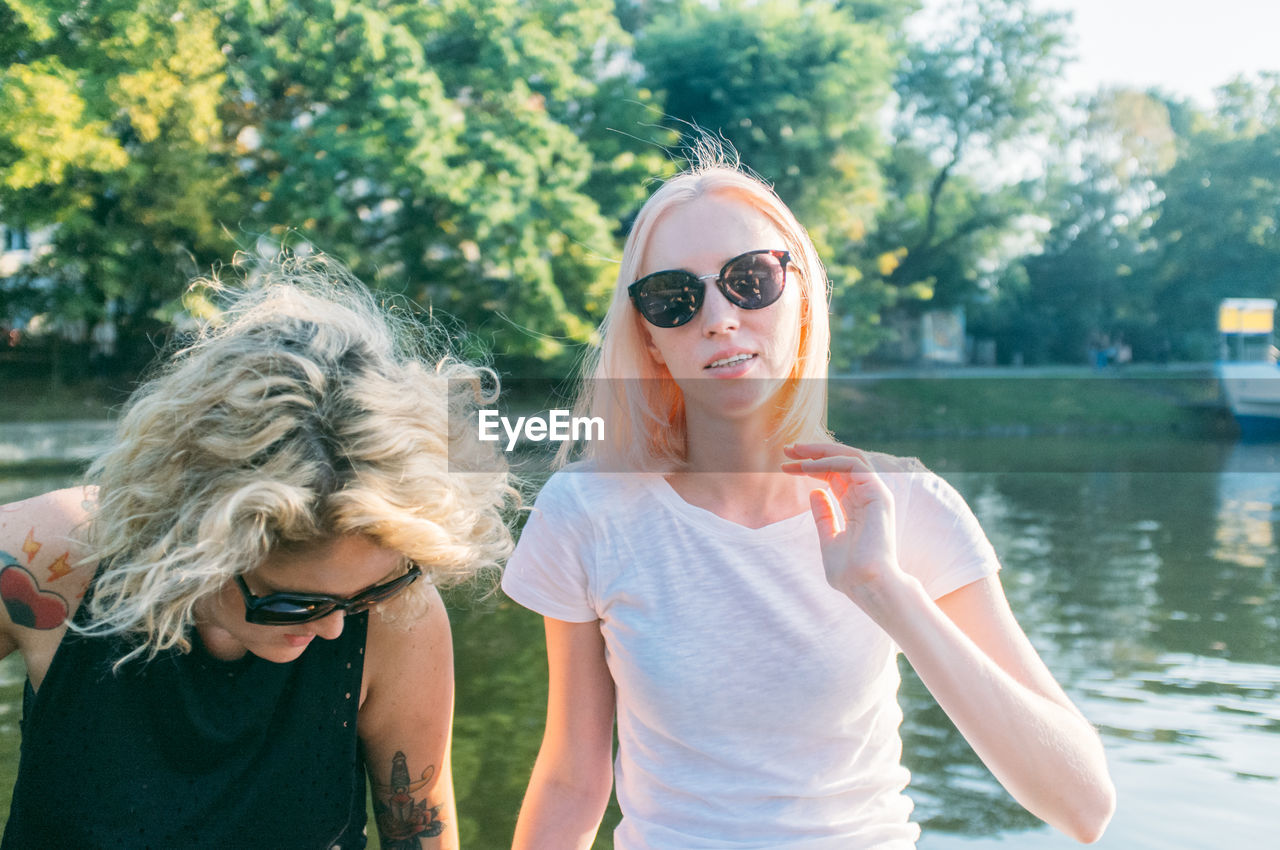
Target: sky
{"points": [[1185, 47]]}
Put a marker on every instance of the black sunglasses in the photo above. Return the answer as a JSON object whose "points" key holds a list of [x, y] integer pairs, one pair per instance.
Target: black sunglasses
{"points": [[669, 299], [290, 609]]}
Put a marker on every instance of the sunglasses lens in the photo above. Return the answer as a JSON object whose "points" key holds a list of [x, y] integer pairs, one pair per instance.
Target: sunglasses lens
{"points": [[669, 299], [288, 609], [755, 280], [281, 610]]}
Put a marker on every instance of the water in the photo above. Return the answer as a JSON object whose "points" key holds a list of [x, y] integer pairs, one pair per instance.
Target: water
{"points": [[1153, 597], [1146, 573], [66, 441]]}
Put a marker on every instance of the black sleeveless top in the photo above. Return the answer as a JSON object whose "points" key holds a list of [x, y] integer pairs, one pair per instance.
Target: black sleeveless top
{"points": [[188, 751]]}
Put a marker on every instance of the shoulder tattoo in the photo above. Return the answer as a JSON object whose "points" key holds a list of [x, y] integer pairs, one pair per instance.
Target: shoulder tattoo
{"points": [[24, 600]]}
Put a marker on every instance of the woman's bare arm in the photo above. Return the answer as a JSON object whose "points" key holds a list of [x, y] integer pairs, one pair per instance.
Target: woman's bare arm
{"points": [[968, 650], [573, 774], [405, 724]]}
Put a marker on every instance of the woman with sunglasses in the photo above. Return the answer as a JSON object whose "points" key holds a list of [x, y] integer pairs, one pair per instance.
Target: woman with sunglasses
{"points": [[733, 587], [239, 618]]}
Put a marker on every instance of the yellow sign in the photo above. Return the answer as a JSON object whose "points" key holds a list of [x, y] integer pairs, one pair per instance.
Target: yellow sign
{"points": [[1246, 316]]}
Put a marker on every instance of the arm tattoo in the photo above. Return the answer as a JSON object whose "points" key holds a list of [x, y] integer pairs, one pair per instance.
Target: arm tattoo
{"points": [[26, 603], [402, 820]]}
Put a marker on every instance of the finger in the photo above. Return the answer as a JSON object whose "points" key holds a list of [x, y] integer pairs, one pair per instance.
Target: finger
{"points": [[823, 465], [814, 450], [850, 480], [825, 513], [837, 479], [837, 482], [843, 476]]}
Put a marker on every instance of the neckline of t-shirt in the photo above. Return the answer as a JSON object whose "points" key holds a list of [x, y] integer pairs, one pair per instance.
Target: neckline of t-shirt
{"points": [[713, 522]]}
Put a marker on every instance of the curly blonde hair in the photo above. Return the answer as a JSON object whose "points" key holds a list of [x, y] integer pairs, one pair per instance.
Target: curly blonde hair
{"points": [[306, 412]]}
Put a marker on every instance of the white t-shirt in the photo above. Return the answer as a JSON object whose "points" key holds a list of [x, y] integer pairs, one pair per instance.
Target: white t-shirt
{"points": [[756, 706]]}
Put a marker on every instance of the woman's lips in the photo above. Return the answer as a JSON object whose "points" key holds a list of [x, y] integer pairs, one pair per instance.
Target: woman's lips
{"points": [[298, 640], [729, 367]]}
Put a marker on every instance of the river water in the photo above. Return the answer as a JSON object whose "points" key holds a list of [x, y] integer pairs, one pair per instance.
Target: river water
{"points": [[1145, 570]]}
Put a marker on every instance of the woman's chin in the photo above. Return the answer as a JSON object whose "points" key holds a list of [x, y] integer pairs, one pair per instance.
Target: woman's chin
{"points": [[733, 399], [281, 652]]}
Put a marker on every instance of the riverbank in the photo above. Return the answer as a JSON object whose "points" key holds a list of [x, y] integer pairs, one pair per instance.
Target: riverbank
{"points": [[1023, 402], [64, 428], [27, 399], [37, 448]]}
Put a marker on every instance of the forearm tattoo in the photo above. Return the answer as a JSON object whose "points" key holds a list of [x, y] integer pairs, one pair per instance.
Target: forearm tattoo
{"points": [[27, 604], [403, 820]]}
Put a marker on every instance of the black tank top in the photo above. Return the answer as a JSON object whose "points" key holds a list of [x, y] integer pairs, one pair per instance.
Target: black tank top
{"points": [[188, 751]]}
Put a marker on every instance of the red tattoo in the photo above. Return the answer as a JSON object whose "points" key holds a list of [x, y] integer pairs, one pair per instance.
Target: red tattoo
{"points": [[27, 604], [402, 820]]}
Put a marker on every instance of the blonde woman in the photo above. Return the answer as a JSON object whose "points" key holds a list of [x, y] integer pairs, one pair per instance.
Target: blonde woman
{"points": [[739, 624], [239, 617]]}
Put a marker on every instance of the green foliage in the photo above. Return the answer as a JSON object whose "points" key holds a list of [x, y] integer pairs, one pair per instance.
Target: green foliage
{"points": [[889, 14], [1169, 210], [1217, 226], [472, 155], [1091, 284], [107, 119], [982, 76], [793, 86], [484, 158], [442, 150], [981, 82], [1078, 294]]}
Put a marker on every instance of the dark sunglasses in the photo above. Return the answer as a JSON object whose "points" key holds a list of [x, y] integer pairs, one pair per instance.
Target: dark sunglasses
{"points": [[669, 299], [290, 609]]}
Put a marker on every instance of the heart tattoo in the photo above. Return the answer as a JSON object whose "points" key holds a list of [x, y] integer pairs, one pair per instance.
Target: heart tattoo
{"points": [[27, 604]]}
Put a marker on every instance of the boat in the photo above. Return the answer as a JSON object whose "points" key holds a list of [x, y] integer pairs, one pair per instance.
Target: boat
{"points": [[1246, 366]]}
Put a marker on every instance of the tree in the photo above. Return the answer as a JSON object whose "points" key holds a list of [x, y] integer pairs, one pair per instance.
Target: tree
{"points": [[441, 150], [107, 122], [793, 86], [982, 81], [1216, 227], [1091, 282], [1084, 289]]}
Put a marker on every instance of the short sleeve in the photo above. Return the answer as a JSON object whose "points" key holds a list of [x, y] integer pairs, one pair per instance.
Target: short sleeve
{"points": [[548, 572], [939, 539]]}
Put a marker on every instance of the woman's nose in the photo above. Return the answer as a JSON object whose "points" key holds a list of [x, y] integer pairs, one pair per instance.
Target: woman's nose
{"points": [[718, 314], [330, 627]]}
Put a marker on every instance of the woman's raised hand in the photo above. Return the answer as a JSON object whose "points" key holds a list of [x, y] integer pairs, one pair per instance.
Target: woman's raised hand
{"points": [[857, 533]]}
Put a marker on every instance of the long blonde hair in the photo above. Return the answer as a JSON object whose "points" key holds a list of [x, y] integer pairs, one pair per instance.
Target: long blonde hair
{"points": [[641, 406], [307, 412]]}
